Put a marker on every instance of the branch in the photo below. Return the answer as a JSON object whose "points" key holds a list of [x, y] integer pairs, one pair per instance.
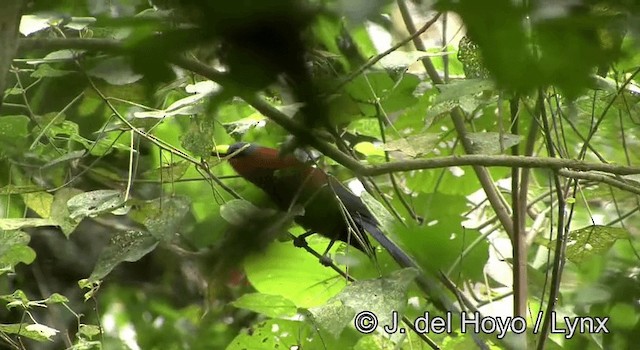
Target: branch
{"points": [[298, 129], [500, 161]]}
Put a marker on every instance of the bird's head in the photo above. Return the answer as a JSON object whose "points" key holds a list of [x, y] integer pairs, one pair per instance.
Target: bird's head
{"points": [[236, 150], [246, 158]]}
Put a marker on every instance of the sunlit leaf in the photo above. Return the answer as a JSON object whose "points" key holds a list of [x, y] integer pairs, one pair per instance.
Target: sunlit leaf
{"points": [[90, 204], [306, 282], [39, 202], [269, 305], [28, 331], [60, 211], [16, 224], [369, 149]]}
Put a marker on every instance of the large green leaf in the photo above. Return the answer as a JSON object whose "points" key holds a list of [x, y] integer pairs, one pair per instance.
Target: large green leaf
{"points": [[294, 274], [443, 236], [266, 304]]}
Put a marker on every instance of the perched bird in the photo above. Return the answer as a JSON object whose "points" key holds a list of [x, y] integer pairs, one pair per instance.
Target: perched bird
{"points": [[330, 209]]}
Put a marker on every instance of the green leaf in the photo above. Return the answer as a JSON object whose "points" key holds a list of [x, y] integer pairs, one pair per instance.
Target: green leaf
{"points": [[492, 142], [163, 216], [13, 134], [40, 202], [462, 88], [236, 211], [444, 236], [333, 317], [94, 203], [99, 147], [14, 189], [415, 145], [242, 125], [30, 24], [624, 316], [380, 213], [66, 157], [55, 56], [382, 296], [272, 334], [15, 299], [16, 224], [270, 305], [369, 149], [417, 117], [124, 246], [199, 137], [60, 211], [56, 298], [88, 330], [306, 282], [14, 249], [46, 71], [393, 95], [37, 332], [115, 71], [590, 241]]}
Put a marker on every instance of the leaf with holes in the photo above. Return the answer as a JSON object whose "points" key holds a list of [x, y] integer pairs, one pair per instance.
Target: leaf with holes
{"points": [[590, 241], [162, 216], [14, 249], [124, 246], [94, 203], [492, 142], [382, 296]]}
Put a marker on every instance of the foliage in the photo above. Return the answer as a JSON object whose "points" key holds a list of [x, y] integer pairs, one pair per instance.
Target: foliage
{"points": [[121, 230]]}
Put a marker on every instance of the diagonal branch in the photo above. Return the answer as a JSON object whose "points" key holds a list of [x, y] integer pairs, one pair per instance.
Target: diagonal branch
{"points": [[457, 117]]}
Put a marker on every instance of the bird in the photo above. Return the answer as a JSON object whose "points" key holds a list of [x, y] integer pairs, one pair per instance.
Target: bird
{"points": [[330, 209]]}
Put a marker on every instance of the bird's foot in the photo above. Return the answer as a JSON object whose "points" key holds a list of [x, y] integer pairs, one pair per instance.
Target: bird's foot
{"points": [[326, 260], [301, 241]]}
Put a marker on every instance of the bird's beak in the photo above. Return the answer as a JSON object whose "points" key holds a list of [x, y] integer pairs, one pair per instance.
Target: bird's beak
{"points": [[220, 151]]}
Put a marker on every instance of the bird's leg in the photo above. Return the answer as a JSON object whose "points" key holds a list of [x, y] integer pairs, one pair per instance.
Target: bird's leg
{"points": [[301, 241], [325, 259]]}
